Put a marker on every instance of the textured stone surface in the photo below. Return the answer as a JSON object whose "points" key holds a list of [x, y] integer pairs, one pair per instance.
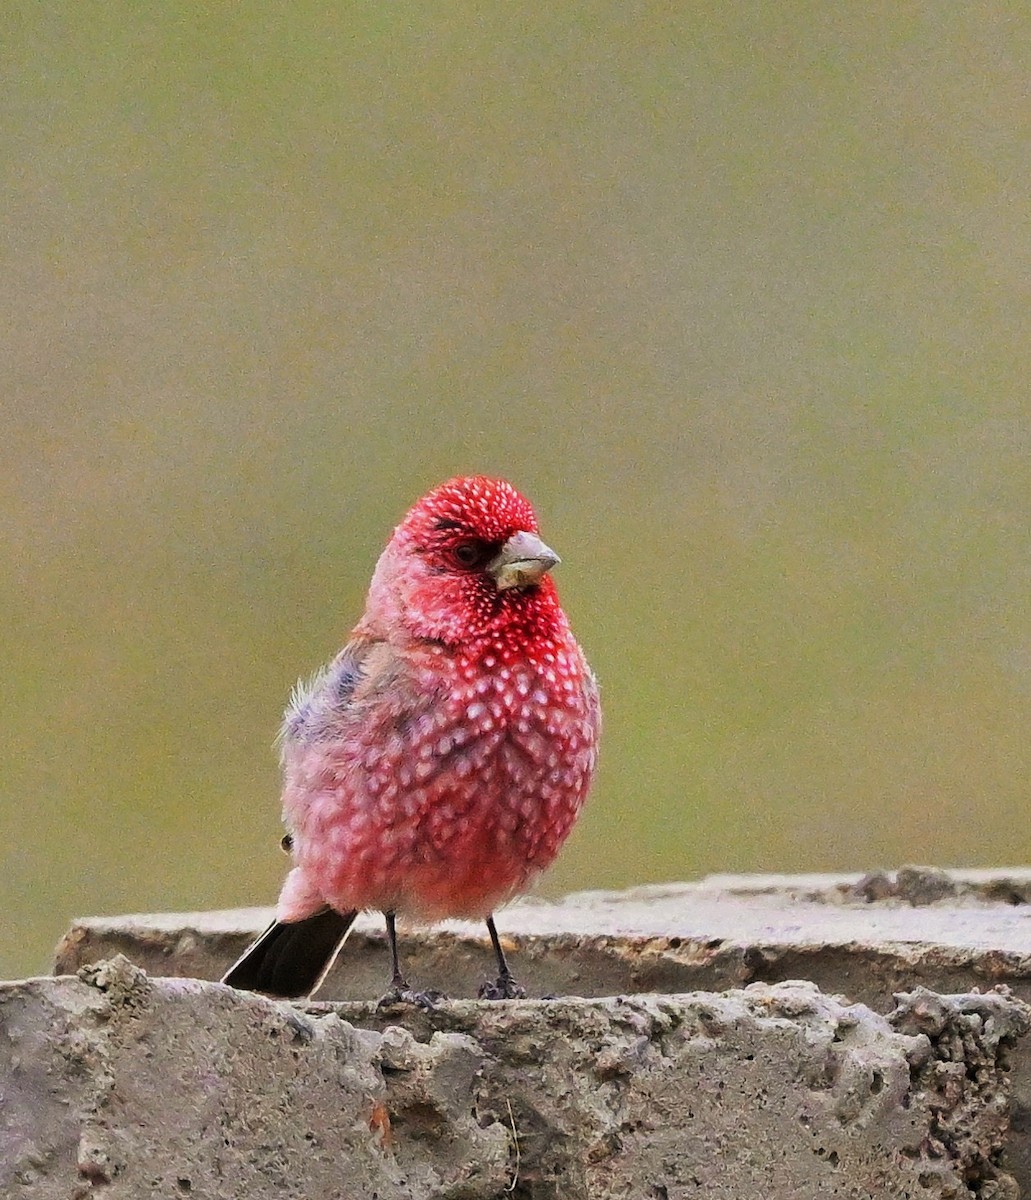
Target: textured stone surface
{"points": [[865, 936], [133, 1087], [127, 1086], [862, 936]]}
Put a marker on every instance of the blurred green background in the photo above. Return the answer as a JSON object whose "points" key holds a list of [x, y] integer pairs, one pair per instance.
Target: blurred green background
{"points": [[737, 293]]}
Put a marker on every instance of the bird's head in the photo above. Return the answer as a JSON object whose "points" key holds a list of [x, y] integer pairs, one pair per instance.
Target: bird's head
{"points": [[466, 561]]}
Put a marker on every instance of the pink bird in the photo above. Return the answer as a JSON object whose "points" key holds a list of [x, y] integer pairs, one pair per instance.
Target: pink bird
{"points": [[435, 767]]}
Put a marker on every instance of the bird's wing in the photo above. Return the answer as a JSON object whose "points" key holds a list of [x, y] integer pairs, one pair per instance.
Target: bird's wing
{"points": [[317, 706], [347, 669]]}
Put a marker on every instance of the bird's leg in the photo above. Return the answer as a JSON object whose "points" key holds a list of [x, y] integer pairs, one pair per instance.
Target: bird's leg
{"points": [[397, 980], [504, 987], [400, 991]]}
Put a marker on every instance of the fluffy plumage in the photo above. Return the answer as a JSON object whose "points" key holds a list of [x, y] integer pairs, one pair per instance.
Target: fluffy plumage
{"points": [[437, 765]]}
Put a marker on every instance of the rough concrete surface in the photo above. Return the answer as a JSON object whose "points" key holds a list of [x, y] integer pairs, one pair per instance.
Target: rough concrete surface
{"points": [[865, 937], [125, 1086]]}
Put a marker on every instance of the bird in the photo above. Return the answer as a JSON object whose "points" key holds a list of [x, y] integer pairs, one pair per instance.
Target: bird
{"points": [[437, 764]]}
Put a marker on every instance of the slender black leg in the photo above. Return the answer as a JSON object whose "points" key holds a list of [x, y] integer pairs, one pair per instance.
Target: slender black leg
{"points": [[492, 929], [397, 980], [505, 987], [400, 991]]}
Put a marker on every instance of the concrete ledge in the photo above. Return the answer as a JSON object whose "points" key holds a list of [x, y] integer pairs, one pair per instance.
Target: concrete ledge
{"points": [[129, 1086], [864, 937]]}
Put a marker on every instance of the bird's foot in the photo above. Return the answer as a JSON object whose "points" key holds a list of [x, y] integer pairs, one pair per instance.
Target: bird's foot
{"points": [[401, 993], [503, 988]]}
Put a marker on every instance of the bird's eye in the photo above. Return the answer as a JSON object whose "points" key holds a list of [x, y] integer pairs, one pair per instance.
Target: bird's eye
{"points": [[471, 554]]}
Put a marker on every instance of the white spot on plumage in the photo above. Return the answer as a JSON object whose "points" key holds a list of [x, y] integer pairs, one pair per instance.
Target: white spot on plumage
{"points": [[508, 820]]}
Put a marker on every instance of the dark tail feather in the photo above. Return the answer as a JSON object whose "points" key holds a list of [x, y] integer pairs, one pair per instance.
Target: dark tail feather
{"points": [[291, 958]]}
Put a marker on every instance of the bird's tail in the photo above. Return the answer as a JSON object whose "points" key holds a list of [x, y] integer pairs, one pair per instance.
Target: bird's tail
{"points": [[292, 958]]}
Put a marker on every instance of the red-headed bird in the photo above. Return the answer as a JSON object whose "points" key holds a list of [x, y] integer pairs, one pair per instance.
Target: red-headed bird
{"points": [[435, 767]]}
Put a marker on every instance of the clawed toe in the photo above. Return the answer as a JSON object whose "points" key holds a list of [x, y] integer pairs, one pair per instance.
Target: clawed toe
{"points": [[426, 1000], [503, 988]]}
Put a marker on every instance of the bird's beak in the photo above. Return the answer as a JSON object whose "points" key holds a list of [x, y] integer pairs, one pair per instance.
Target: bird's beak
{"points": [[524, 560]]}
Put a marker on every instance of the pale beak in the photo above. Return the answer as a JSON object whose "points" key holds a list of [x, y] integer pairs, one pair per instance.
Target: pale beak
{"points": [[524, 561]]}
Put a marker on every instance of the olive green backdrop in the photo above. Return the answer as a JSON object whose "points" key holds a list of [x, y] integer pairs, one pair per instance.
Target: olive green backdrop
{"points": [[737, 293]]}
